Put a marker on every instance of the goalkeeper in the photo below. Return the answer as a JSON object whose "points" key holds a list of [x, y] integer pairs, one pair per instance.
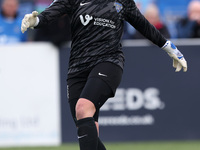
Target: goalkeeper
{"points": [[96, 58]]}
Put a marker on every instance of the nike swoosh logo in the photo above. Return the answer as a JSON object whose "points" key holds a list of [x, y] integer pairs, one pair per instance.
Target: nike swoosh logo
{"points": [[100, 74], [79, 137], [82, 4]]}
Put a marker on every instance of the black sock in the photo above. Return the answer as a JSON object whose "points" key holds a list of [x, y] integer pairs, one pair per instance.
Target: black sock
{"points": [[87, 134], [100, 145]]}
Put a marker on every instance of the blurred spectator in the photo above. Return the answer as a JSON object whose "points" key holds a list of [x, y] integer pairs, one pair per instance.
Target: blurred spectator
{"points": [[10, 23], [129, 30], [58, 32], [152, 15], [189, 27], [143, 4]]}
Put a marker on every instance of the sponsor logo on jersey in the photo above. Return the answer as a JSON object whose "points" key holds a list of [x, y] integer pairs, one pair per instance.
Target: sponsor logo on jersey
{"points": [[104, 23], [87, 19], [118, 6]]}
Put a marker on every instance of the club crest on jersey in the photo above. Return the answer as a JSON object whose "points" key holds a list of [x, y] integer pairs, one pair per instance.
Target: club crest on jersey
{"points": [[118, 6]]}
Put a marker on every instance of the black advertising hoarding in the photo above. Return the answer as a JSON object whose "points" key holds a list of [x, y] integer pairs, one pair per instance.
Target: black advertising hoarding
{"points": [[153, 102]]}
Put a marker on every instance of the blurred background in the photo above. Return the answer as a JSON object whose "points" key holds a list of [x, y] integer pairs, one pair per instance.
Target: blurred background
{"points": [[152, 103]]}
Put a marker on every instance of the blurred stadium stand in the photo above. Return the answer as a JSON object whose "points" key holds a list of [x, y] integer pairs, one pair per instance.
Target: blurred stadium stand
{"points": [[170, 10]]}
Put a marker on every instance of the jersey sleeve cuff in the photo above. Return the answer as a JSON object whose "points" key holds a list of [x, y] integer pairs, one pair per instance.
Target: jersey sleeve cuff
{"points": [[37, 22]]}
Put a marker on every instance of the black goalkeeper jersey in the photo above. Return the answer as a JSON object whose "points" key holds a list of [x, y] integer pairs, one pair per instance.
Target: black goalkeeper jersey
{"points": [[97, 28]]}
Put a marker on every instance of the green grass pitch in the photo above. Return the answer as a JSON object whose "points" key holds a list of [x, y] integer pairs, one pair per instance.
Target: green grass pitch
{"points": [[173, 145]]}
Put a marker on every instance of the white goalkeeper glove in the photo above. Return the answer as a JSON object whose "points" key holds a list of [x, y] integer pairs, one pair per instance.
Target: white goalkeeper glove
{"points": [[179, 61], [29, 21]]}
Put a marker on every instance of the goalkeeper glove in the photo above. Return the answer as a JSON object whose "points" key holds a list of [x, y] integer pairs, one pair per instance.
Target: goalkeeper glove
{"points": [[29, 21], [179, 61]]}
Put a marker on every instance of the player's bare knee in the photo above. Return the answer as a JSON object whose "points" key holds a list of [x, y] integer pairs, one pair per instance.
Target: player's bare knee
{"points": [[84, 108], [80, 111]]}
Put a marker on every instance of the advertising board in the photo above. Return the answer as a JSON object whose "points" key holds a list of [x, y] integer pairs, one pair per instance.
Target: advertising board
{"points": [[153, 102], [29, 95]]}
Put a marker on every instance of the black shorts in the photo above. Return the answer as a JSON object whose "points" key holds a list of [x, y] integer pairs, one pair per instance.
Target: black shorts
{"points": [[96, 84]]}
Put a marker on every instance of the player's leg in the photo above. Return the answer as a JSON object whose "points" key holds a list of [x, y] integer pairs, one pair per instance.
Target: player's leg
{"points": [[75, 86], [87, 131], [100, 144], [107, 76], [96, 90], [94, 95], [84, 109], [96, 116]]}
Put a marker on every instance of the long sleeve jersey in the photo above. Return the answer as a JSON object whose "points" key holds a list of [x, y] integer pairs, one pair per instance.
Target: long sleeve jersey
{"points": [[97, 28]]}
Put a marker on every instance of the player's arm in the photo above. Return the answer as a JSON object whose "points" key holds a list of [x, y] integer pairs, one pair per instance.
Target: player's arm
{"points": [[55, 10], [140, 23]]}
